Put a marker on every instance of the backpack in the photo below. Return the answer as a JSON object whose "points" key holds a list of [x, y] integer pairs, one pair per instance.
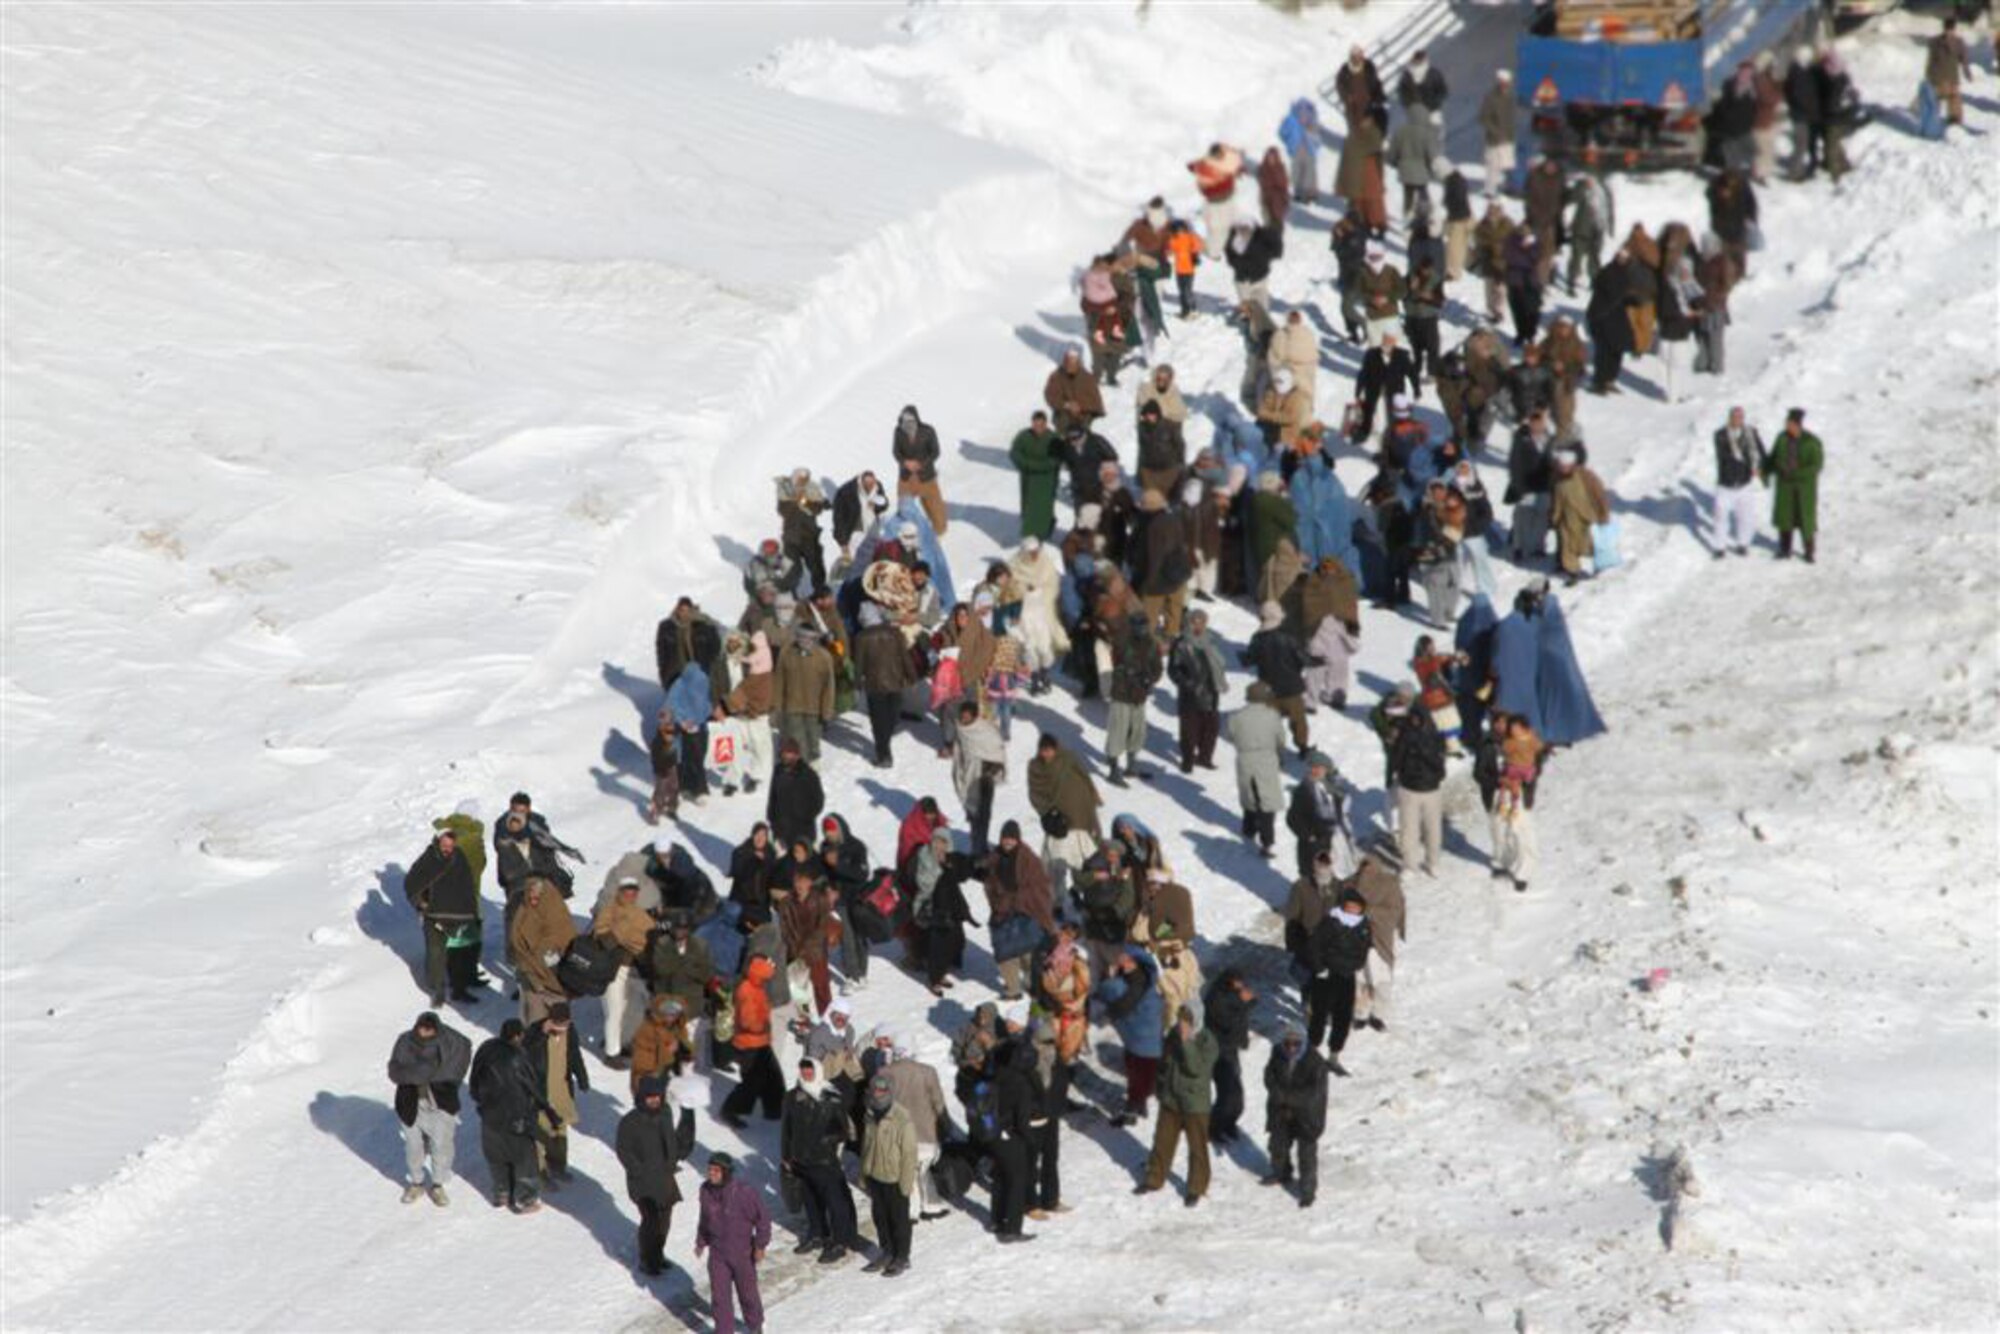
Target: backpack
{"points": [[587, 967], [982, 1113]]}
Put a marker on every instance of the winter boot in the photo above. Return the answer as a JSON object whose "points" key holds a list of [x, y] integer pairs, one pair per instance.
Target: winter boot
{"points": [[438, 1197], [1113, 776], [412, 1193], [1811, 548]]}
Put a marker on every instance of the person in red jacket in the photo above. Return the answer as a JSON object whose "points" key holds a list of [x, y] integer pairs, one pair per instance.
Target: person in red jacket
{"points": [[1215, 174]]}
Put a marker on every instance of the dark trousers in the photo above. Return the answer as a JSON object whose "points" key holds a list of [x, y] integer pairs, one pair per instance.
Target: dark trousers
{"points": [[759, 1080], [1262, 826], [1199, 729], [693, 762], [980, 814], [1284, 1136], [1228, 1106], [884, 707], [1607, 358], [1141, 1073], [812, 561], [1330, 1010], [1525, 301], [654, 1221], [890, 1209], [1423, 334], [1010, 1184], [1184, 282], [510, 1159], [829, 1206], [435, 935]]}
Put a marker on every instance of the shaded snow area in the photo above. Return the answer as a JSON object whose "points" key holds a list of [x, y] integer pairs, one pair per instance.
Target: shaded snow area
{"points": [[377, 377]]}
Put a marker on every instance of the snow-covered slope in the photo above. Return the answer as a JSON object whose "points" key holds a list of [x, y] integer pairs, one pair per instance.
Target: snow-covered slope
{"points": [[376, 377]]}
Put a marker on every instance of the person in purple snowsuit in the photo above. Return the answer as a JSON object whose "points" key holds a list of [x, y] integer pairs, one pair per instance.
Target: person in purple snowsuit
{"points": [[734, 1230]]}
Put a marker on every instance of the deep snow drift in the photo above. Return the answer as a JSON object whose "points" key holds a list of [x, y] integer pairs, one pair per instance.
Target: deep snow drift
{"points": [[376, 377]]}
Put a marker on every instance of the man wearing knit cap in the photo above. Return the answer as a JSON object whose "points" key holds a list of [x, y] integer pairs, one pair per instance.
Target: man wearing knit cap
{"points": [[889, 1173]]}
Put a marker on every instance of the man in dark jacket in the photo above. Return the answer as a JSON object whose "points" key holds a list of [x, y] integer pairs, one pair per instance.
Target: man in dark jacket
{"points": [[681, 966], [1739, 453], [426, 1066], [1251, 252], [1196, 668], [882, 661], [1135, 666], [1416, 774], [1422, 84], [914, 443], [1387, 370], [1339, 952], [441, 886], [814, 1128], [1295, 1112], [686, 636], [1610, 325], [1227, 1009], [1084, 452], [844, 860], [1187, 1065], [509, 1097], [1162, 450], [1280, 662], [651, 1148], [1017, 1100], [796, 797], [856, 506], [1317, 815]]}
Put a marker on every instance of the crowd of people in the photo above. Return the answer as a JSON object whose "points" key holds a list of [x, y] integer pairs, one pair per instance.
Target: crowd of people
{"points": [[1093, 930]]}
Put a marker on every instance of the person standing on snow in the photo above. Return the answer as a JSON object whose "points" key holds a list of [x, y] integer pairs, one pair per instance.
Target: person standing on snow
{"points": [[858, 506], [1416, 772], [426, 1065], [1227, 1007], [1382, 888], [1945, 62], [801, 501], [1739, 453], [889, 1158], [507, 1091], [1299, 133], [1037, 456], [734, 1232], [1358, 85], [653, 1139], [1295, 1112], [1793, 464], [914, 445], [623, 926], [814, 1128], [1340, 945], [442, 886], [1072, 393], [1196, 667], [1186, 1070], [803, 692]]}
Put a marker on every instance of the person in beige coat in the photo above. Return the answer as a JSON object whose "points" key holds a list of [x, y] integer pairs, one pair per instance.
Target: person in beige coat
{"points": [[541, 931], [1296, 347], [1285, 410], [889, 1158], [1382, 888], [919, 1092], [624, 925], [1159, 387]]}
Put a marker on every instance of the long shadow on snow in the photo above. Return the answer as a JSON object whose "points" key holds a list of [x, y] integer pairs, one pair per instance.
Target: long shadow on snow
{"points": [[384, 919], [644, 692], [614, 785], [1002, 527], [1068, 335], [734, 553], [991, 455], [1671, 510], [1231, 858], [367, 1126], [589, 1203]]}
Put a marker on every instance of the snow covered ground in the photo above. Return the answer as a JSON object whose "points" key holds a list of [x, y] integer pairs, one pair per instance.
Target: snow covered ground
{"points": [[376, 377]]}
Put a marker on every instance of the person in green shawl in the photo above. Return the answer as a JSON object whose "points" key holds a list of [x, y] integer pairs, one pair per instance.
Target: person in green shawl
{"points": [[1036, 456]]}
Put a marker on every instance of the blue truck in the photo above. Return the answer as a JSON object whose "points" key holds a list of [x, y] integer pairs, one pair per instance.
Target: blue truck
{"points": [[1627, 83]]}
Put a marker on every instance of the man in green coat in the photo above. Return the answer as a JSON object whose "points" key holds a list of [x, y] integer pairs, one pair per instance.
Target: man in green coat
{"points": [[1187, 1065], [1794, 462], [1272, 516], [1035, 454]]}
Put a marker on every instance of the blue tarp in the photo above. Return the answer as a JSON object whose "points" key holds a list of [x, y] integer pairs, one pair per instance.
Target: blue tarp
{"points": [[927, 545], [1599, 73]]}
